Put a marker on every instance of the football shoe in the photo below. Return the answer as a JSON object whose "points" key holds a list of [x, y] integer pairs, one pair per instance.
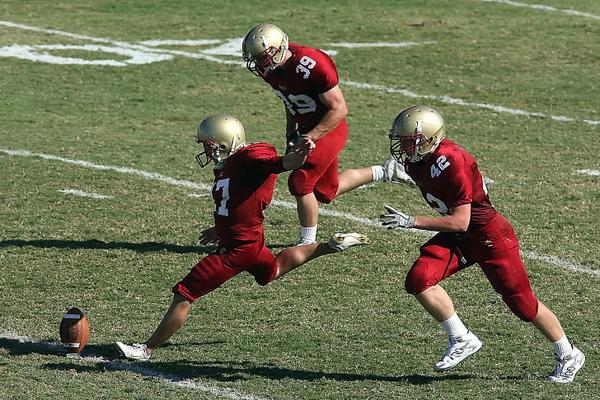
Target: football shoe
{"points": [[136, 351], [567, 367], [342, 241], [459, 348]]}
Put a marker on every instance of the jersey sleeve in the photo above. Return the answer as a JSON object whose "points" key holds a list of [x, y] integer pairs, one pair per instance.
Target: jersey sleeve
{"points": [[458, 181], [324, 75], [263, 159]]}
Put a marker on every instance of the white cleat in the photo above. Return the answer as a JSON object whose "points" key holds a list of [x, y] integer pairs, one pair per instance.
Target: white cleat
{"points": [[393, 171], [459, 348], [342, 241], [567, 367], [136, 351]]}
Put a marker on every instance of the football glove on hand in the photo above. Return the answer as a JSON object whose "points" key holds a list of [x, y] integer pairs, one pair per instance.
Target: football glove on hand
{"points": [[396, 219], [209, 237]]}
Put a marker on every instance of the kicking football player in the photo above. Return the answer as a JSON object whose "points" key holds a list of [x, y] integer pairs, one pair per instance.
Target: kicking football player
{"points": [[470, 231], [306, 81], [245, 175]]}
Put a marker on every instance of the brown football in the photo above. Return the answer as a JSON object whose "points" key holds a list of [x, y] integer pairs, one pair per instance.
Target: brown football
{"points": [[74, 330]]}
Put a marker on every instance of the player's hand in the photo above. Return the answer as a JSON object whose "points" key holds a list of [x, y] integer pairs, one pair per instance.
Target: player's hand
{"points": [[396, 219], [298, 153], [291, 140], [209, 237]]}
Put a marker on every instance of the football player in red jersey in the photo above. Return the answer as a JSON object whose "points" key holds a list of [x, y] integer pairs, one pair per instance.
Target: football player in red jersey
{"points": [[245, 175], [307, 82], [470, 231]]}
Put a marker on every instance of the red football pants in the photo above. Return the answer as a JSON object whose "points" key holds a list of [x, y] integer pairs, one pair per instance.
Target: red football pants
{"points": [[494, 247], [319, 174], [218, 267]]}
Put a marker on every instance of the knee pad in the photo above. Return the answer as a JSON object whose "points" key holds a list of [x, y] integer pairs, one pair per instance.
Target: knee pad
{"points": [[523, 304], [416, 279]]}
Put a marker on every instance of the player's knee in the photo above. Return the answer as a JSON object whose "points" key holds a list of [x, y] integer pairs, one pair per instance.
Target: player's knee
{"points": [[417, 280], [297, 184], [324, 198], [523, 304]]}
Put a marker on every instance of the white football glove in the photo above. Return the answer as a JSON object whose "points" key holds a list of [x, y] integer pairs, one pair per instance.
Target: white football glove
{"points": [[396, 219]]}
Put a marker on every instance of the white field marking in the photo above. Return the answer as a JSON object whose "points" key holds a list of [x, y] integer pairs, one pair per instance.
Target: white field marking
{"points": [[559, 263], [461, 102], [227, 49], [350, 45], [197, 195], [36, 53], [368, 185], [183, 42], [80, 193], [140, 369], [126, 45], [590, 172], [552, 260], [544, 7]]}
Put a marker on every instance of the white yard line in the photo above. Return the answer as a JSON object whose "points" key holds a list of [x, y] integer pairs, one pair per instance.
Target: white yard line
{"points": [[207, 55], [140, 369], [81, 193], [590, 172], [352, 45], [461, 102], [551, 260], [544, 7]]}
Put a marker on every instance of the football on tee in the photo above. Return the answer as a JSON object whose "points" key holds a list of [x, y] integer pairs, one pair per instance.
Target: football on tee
{"points": [[74, 330]]}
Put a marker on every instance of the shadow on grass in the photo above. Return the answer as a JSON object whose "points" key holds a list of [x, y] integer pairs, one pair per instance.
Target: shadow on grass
{"points": [[236, 371], [17, 347], [93, 244], [222, 371], [143, 247]]}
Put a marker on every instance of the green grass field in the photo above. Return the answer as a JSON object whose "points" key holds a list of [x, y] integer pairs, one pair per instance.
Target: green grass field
{"points": [[518, 86]]}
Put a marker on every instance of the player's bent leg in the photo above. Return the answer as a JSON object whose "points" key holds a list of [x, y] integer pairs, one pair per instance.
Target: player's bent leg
{"points": [[308, 215], [174, 318], [436, 301], [569, 359], [293, 257], [350, 179], [171, 322]]}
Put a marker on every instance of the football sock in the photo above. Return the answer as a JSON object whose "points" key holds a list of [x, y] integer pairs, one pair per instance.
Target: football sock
{"points": [[562, 347], [454, 326], [308, 234], [377, 171]]}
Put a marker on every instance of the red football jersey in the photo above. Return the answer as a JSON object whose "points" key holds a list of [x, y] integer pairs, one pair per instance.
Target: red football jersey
{"points": [[309, 73], [242, 190], [449, 178]]}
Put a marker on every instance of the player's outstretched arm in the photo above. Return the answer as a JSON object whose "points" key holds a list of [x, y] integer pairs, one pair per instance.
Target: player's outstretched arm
{"points": [[298, 153]]}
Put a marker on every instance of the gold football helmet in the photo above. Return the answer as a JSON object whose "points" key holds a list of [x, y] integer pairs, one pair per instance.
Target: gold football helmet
{"points": [[221, 135], [264, 47], [416, 132]]}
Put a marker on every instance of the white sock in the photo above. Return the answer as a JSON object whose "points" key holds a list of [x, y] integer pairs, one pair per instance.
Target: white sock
{"points": [[454, 326], [562, 347], [308, 234], [378, 173]]}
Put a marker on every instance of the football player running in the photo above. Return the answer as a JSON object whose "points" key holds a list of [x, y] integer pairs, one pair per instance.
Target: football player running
{"points": [[306, 81], [245, 175], [470, 231]]}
